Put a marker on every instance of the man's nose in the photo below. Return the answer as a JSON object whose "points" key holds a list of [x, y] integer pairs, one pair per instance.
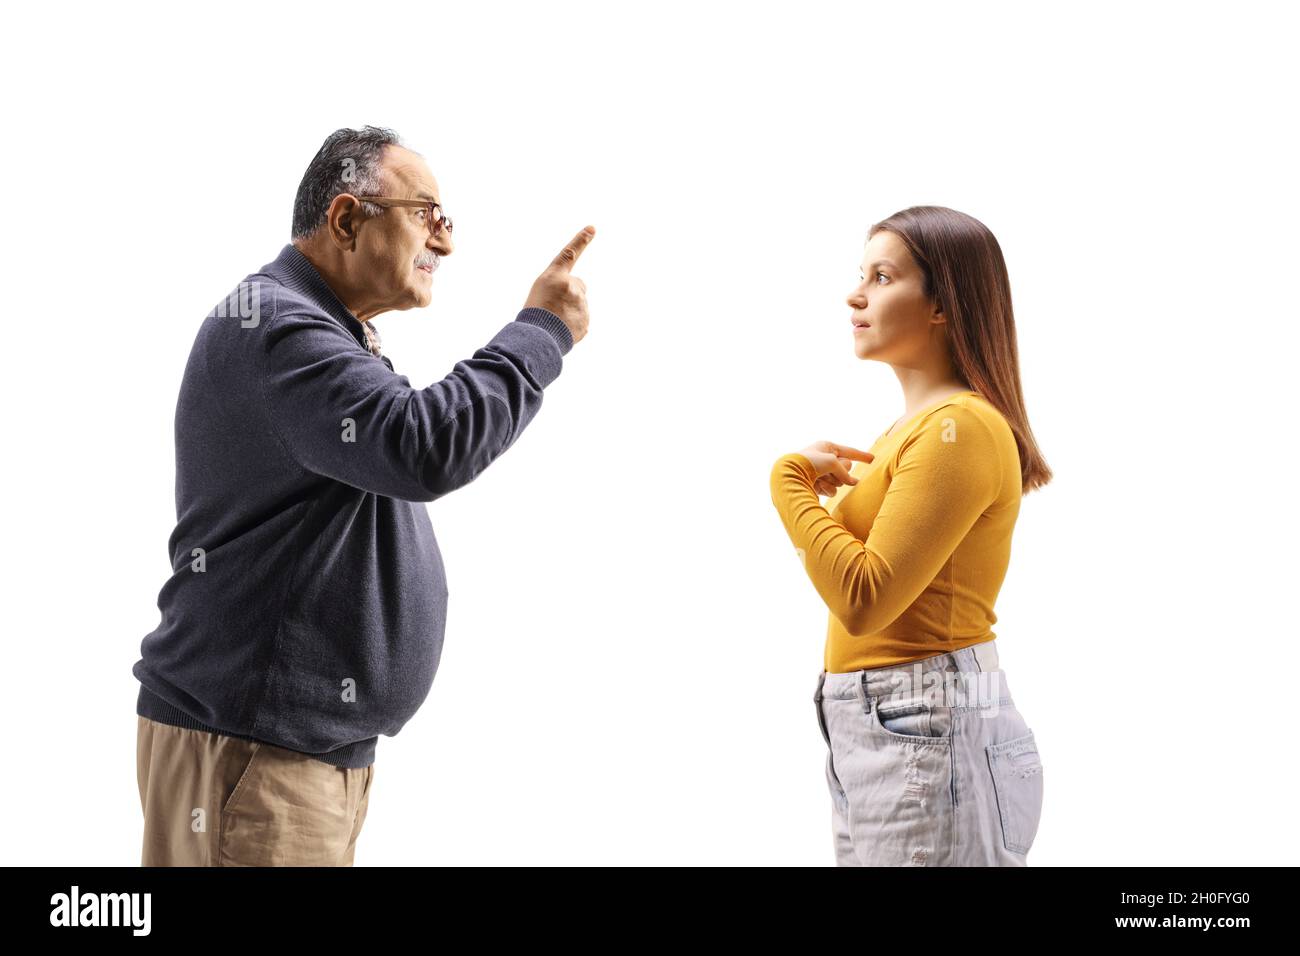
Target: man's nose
{"points": [[442, 243]]}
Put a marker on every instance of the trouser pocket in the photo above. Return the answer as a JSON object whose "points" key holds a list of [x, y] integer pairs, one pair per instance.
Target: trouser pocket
{"points": [[914, 717], [290, 809], [1017, 774]]}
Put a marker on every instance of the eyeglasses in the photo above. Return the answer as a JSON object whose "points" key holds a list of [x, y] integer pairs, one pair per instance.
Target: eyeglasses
{"points": [[433, 212]]}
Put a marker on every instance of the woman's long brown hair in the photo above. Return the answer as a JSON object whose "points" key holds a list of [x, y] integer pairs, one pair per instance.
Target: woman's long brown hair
{"points": [[966, 277]]}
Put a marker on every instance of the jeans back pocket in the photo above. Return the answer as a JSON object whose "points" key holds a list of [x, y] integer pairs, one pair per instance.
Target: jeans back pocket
{"points": [[1018, 783]]}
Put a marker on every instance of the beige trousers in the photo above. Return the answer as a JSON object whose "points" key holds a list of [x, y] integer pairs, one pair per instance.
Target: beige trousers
{"points": [[213, 800]]}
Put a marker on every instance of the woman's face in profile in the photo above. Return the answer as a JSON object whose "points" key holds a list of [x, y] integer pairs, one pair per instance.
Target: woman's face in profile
{"points": [[893, 320]]}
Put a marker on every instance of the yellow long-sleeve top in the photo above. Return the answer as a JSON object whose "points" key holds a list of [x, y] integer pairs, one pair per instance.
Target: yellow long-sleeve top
{"points": [[911, 558]]}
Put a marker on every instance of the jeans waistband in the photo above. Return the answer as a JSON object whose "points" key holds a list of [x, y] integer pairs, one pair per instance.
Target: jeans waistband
{"points": [[967, 677]]}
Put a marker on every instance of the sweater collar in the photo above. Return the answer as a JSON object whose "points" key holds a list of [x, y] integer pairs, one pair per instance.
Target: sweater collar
{"points": [[296, 272]]}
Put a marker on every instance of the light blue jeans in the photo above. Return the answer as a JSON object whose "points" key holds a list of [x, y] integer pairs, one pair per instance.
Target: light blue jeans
{"points": [[929, 764]]}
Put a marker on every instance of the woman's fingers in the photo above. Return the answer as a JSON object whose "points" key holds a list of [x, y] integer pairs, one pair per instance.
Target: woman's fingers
{"points": [[849, 452], [832, 462], [840, 472]]}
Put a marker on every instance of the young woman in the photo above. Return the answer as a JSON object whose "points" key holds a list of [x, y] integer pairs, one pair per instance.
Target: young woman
{"points": [[929, 762]]}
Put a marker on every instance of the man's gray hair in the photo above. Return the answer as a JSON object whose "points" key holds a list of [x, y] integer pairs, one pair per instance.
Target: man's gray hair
{"points": [[347, 162]]}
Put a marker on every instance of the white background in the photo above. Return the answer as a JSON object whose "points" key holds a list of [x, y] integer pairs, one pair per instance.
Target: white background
{"points": [[632, 645]]}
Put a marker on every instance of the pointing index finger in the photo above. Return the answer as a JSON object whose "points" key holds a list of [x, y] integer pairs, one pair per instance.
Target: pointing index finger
{"points": [[844, 451], [569, 254]]}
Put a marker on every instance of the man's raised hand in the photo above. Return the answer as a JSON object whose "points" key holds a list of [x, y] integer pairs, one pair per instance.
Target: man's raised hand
{"points": [[559, 291]]}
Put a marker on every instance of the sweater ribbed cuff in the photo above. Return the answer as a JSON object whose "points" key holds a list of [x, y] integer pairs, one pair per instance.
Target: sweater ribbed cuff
{"points": [[545, 319]]}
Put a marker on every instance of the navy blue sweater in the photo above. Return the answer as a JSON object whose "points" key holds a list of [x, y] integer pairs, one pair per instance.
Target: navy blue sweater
{"points": [[307, 599]]}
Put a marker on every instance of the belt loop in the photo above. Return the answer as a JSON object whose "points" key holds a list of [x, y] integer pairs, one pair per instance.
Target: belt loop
{"points": [[966, 675], [860, 688]]}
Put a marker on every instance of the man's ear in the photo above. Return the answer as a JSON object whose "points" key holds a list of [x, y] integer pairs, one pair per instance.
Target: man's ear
{"points": [[342, 219]]}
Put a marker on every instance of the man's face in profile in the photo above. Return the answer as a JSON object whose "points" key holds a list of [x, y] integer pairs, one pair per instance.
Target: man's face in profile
{"points": [[398, 253]]}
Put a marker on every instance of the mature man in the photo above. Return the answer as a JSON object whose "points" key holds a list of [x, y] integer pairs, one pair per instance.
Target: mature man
{"points": [[304, 616]]}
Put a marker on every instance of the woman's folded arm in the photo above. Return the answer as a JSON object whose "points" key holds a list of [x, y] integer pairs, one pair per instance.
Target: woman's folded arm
{"points": [[947, 474]]}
